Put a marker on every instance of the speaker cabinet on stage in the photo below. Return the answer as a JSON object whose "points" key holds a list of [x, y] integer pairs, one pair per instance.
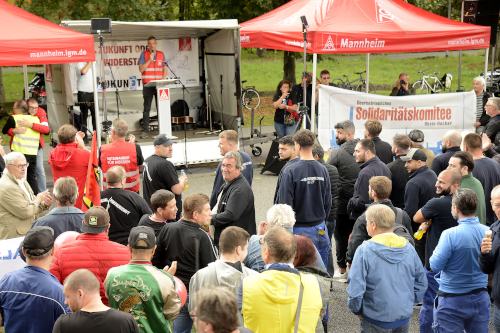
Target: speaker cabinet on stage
{"points": [[100, 25], [483, 12], [273, 163]]}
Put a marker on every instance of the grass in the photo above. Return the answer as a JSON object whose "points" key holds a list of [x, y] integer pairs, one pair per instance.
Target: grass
{"points": [[265, 73]]}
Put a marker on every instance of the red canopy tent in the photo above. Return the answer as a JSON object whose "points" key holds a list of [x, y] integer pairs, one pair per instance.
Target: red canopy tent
{"points": [[360, 26], [31, 40]]}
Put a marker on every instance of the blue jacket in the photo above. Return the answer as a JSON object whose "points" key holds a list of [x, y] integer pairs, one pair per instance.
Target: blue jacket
{"points": [[31, 300], [62, 219], [456, 258], [385, 281]]}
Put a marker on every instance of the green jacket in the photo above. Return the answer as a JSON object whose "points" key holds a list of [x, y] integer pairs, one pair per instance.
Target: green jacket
{"points": [[146, 292]]}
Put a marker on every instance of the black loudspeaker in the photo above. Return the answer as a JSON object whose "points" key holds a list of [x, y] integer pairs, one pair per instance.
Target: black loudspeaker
{"points": [[483, 12], [100, 25], [273, 163]]}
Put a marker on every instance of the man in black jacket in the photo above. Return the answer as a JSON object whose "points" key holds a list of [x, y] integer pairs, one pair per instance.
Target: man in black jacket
{"points": [[318, 154], [286, 152], [450, 145], [490, 258], [400, 146], [186, 242], [419, 189], [379, 190], [373, 128], [371, 166], [342, 158], [235, 201]]}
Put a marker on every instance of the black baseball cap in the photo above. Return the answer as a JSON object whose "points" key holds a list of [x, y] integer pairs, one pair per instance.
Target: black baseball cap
{"points": [[416, 135], [142, 237], [38, 241], [162, 140], [96, 220], [415, 154]]}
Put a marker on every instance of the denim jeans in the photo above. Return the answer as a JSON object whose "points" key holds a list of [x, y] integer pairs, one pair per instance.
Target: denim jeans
{"points": [[496, 318], [425, 317], [456, 314], [40, 171], [283, 130], [330, 225], [367, 327], [319, 236], [183, 323]]}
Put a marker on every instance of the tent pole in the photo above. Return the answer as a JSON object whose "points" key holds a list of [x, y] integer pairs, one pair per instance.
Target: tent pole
{"points": [[367, 88], [313, 97], [25, 79], [96, 105], [486, 55]]}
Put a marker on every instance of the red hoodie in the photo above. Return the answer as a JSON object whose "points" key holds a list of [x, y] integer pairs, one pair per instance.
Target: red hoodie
{"points": [[67, 159]]}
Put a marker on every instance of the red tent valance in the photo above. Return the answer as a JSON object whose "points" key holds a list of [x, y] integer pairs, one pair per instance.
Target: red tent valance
{"points": [[27, 39], [360, 26]]}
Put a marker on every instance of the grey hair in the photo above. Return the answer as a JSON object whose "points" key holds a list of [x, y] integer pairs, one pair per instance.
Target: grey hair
{"points": [[495, 192], [481, 80], [496, 101], [281, 215], [236, 156], [66, 191], [455, 138], [13, 156]]}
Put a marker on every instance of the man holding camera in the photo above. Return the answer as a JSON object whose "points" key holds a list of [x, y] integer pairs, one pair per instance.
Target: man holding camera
{"points": [[402, 86], [152, 67]]}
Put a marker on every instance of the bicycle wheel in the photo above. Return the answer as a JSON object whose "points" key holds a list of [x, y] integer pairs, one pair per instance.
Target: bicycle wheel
{"points": [[250, 99], [437, 87], [360, 87], [420, 87]]}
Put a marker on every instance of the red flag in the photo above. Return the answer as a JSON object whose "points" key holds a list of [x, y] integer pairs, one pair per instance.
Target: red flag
{"points": [[92, 191]]}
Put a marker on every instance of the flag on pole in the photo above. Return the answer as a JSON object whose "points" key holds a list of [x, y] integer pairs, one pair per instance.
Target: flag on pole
{"points": [[92, 191]]}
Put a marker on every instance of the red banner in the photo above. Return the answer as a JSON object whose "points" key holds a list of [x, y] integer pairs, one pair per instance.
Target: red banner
{"points": [[92, 191]]}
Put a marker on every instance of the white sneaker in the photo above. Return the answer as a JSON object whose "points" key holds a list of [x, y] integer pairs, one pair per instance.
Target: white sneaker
{"points": [[343, 277]]}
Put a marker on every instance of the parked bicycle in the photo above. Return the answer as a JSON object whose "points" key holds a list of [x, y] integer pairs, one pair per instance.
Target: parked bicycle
{"points": [[250, 98], [359, 84], [432, 84]]}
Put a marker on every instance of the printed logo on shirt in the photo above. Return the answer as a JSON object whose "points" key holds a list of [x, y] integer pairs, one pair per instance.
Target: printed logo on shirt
{"points": [[312, 180]]}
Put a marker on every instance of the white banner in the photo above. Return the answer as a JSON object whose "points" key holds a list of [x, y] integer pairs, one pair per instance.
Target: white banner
{"points": [[432, 114], [123, 58], [10, 259]]}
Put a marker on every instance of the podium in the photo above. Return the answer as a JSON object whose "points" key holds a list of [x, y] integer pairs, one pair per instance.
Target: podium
{"points": [[163, 104]]}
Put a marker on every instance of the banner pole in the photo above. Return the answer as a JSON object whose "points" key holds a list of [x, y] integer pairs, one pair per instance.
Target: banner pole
{"points": [[367, 88], [313, 97]]}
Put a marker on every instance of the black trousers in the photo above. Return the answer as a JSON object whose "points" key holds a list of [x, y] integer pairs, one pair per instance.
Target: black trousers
{"points": [[343, 228], [86, 102], [148, 93], [31, 173]]}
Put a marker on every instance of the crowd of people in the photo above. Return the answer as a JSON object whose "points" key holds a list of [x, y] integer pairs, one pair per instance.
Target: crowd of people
{"points": [[409, 228]]}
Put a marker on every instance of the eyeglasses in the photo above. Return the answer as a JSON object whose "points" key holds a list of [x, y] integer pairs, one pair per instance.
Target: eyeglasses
{"points": [[21, 166]]}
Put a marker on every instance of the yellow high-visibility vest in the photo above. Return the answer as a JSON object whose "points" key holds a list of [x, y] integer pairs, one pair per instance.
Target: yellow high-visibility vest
{"points": [[28, 142]]}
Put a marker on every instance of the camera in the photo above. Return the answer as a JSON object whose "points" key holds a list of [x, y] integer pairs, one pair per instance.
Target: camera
{"points": [[402, 82]]}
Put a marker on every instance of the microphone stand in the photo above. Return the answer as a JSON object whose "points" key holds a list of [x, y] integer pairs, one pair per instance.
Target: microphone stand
{"points": [[117, 94], [184, 106]]}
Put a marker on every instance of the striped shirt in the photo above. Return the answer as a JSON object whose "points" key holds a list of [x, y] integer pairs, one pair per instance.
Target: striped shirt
{"points": [[479, 105]]}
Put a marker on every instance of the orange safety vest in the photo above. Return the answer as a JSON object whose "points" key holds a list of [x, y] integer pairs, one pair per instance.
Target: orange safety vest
{"points": [[124, 154], [154, 71]]}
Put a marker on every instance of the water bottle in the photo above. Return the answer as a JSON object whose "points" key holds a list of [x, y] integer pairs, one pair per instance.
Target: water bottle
{"points": [[421, 231], [186, 184]]}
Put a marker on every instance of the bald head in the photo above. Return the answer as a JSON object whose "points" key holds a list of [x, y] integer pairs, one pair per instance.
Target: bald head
{"points": [[452, 139], [495, 201], [115, 176], [82, 279]]}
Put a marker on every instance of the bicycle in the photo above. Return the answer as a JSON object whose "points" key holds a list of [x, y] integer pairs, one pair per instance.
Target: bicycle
{"points": [[431, 84], [359, 84], [250, 98]]}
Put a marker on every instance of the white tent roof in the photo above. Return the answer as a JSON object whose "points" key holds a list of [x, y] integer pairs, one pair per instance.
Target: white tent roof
{"points": [[159, 29]]}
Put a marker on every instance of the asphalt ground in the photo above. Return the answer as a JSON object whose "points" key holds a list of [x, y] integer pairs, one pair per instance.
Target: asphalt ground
{"points": [[201, 180]]}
